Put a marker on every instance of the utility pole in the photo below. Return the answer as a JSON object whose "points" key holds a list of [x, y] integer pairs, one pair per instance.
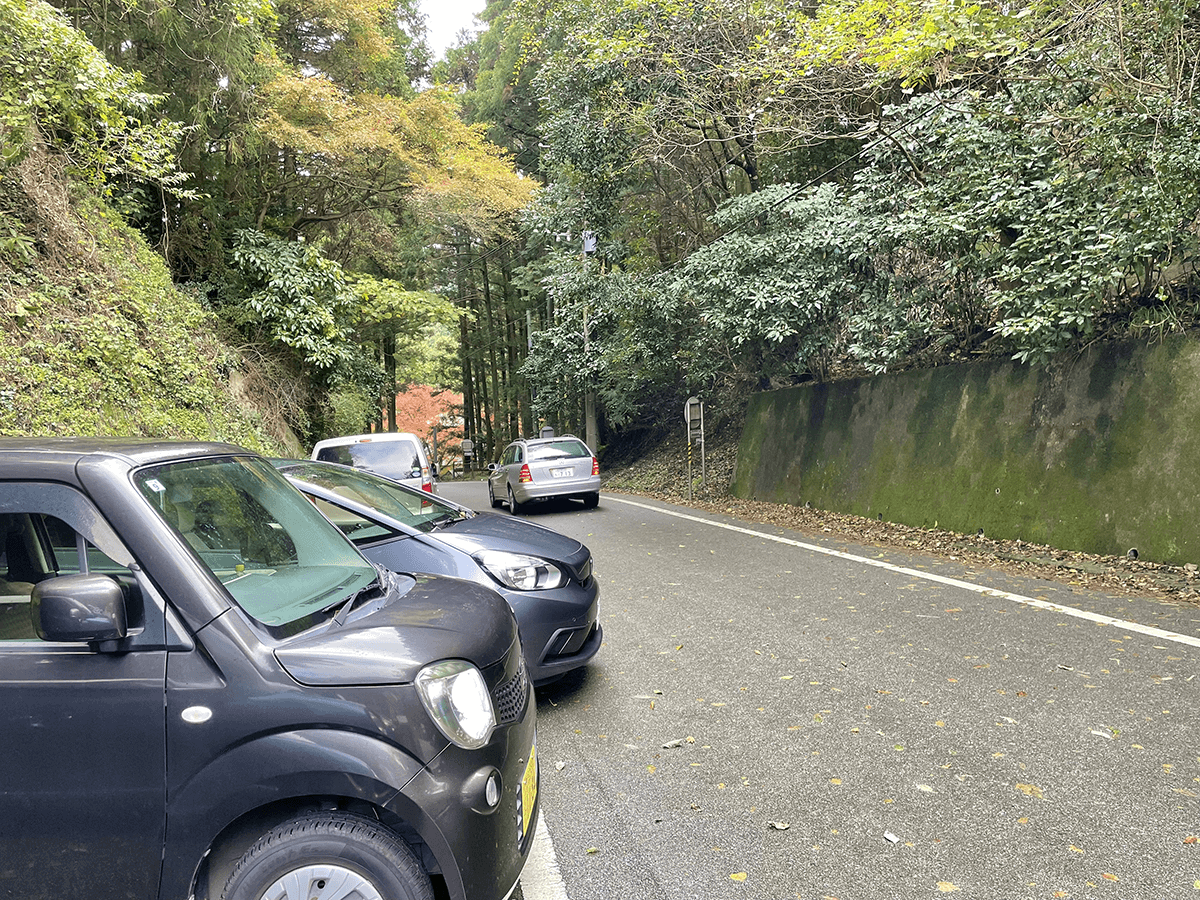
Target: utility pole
{"points": [[590, 433]]}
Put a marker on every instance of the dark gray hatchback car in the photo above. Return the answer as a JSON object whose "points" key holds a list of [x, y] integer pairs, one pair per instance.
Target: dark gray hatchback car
{"points": [[206, 691], [546, 577]]}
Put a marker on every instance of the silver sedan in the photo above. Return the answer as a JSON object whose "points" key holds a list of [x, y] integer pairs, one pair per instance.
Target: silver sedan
{"points": [[543, 468]]}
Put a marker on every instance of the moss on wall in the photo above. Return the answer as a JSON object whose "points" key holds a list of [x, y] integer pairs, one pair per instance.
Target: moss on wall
{"points": [[1099, 452]]}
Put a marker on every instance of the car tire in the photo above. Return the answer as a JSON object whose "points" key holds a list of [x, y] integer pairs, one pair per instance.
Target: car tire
{"points": [[513, 506], [592, 500], [324, 855], [496, 504]]}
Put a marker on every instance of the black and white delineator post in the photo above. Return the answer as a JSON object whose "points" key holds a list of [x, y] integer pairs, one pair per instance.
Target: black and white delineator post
{"points": [[693, 415]]}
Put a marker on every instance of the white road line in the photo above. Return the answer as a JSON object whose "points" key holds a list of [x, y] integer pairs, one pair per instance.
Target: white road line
{"points": [[1099, 619], [541, 879]]}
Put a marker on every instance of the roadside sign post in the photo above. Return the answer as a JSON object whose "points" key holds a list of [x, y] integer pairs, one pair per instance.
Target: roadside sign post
{"points": [[693, 416], [468, 449]]}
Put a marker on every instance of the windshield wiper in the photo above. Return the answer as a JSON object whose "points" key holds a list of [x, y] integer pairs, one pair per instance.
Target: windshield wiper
{"points": [[444, 519], [339, 618]]}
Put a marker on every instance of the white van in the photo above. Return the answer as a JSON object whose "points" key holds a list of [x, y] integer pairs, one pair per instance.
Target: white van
{"points": [[399, 456]]}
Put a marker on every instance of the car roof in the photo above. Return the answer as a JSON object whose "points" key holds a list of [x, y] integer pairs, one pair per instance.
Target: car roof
{"points": [[368, 438], [549, 440], [41, 457]]}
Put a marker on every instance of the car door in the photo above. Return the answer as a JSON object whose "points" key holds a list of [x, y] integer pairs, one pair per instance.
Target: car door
{"points": [[498, 477], [82, 731]]}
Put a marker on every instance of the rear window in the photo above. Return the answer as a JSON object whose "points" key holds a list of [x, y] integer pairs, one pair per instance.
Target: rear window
{"points": [[567, 448], [392, 459]]}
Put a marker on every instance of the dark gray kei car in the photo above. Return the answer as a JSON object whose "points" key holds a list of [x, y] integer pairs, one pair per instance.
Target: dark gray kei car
{"points": [[546, 577], [207, 692]]}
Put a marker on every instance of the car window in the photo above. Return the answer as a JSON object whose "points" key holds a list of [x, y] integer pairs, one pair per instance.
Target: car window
{"points": [[417, 509], [276, 555], [33, 548], [351, 524], [393, 459], [564, 449], [339, 454]]}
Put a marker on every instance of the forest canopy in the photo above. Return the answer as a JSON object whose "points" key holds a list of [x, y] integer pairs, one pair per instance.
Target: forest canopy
{"points": [[617, 204]]}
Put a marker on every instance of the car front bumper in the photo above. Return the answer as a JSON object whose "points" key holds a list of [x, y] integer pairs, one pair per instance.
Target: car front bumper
{"points": [[560, 630], [480, 851]]}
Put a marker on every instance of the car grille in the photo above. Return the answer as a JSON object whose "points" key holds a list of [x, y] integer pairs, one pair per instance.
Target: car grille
{"points": [[510, 698]]}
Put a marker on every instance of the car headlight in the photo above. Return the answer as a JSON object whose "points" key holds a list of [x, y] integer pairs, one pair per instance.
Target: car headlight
{"points": [[457, 699], [516, 570]]}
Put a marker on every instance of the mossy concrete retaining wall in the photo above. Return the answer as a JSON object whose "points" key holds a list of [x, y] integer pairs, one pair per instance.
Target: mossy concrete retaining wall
{"points": [[1099, 452]]}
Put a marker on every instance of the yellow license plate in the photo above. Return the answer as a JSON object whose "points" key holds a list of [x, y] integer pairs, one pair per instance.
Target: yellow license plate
{"points": [[529, 789]]}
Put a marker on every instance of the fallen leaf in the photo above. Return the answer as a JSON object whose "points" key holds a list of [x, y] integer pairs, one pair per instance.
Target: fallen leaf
{"points": [[651, 769], [926, 788], [835, 781], [559, 766], [947, 887], [1185, 792], [738, 876], [1030, 790], [591, 850], [671, 745], [1109, 876], [779, 826], [1075, 849], [1191, 839]]}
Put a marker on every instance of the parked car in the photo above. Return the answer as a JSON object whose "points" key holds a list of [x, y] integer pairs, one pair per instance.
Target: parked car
{"points": [[206, 691], [542, 468], [546, 577], [398, 455]]}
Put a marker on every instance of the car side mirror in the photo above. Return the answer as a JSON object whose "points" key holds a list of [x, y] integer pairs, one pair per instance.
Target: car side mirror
{"points": [[491, 467], [79, 609]]}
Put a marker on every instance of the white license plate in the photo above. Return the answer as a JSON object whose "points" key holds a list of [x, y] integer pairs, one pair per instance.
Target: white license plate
{"points": [[562, 473]]}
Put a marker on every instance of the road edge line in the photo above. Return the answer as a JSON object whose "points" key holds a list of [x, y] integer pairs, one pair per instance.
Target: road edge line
{"points": [[1097, 618]]}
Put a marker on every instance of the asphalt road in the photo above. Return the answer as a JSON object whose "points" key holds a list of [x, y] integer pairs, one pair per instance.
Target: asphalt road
{"points": [[777, 716]]}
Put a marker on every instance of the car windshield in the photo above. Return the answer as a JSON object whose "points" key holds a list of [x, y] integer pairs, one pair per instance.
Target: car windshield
{"points": [[279, 558], [417, 509], [391, 458], [558, 450]]}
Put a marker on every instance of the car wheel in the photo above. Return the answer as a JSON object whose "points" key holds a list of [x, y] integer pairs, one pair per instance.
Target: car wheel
{"points": [[492, 497], [325, 856], [590, 501], [513, 506]]}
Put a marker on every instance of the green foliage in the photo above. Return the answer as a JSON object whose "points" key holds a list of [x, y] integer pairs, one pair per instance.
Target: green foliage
{"points": [[55, 84], [298, 297]]}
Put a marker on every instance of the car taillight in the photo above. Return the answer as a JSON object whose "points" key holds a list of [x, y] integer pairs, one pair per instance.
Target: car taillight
{"points": [[426, 486], [595, 466], [525, 477]]}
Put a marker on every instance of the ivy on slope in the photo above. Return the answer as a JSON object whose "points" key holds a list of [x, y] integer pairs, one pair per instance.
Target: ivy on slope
{"points": [[104, 344]]}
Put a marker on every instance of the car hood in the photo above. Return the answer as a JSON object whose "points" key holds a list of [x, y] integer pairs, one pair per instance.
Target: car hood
{"points": [[422, 619], [487, 531]]}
